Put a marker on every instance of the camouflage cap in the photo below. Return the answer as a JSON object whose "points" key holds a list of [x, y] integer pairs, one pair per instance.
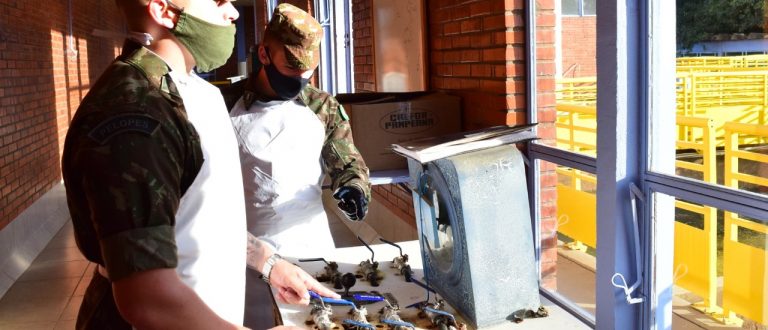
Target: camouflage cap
{"points": [[300, 34]]}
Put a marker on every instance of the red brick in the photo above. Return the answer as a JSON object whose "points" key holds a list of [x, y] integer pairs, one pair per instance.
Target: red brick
{"points": [[514, 4], [510, 70], [545, 53], [545, 84], [516, 101], [470, 56], [494, 54], [497, 86], [548, 116], [545, 36], [546, 19], [548, 179], [471, 25], [481, 41], [461, 41], [469, 84], [462, 70], [545, 99], [545, 4], [451, 28], [515, 118], [479, 8], [481, 70], [494, 22], [515, 53], [548, 211]]}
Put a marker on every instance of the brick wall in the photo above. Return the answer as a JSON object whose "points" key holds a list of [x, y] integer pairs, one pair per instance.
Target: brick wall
{"points": [[362, 32], [477, 50], [545, 98], [579, 46], [41, 85]]}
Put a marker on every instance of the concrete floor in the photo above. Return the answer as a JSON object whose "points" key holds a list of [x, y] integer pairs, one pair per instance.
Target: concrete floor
{"points": [[576, 281]]}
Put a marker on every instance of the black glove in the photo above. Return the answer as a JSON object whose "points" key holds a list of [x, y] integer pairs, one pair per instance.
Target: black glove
{"points": [[352, 201]]}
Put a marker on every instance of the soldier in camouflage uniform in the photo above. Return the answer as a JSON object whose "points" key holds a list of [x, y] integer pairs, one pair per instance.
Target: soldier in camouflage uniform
{"points": [[151, 170], [291, 134]]}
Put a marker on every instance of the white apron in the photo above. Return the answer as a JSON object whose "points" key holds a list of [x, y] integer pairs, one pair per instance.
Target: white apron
{"points": [[210, 223], [280, 144]]}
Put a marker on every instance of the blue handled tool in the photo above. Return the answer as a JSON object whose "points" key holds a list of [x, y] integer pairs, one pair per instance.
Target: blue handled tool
{"points": [[359, 325], [367, 297], [441, 312], [331, 300], [394, 323]]}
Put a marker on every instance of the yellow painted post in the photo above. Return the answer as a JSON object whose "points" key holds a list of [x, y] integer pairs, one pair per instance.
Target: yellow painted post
{"points": [[692, 109], [744, 266], [762, 120], [572, 137], [730, 163], [699, 266], [709, 155]]}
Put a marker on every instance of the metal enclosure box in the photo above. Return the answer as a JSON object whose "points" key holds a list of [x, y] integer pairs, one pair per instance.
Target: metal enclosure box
{"points": [[474, 225]]}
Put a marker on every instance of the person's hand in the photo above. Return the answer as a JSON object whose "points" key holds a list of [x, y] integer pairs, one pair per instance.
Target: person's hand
{"points": [[292, 284], [352, 202]]}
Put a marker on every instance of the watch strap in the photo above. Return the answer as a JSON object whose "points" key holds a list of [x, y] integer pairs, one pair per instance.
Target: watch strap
{"points": [[266, 270]]}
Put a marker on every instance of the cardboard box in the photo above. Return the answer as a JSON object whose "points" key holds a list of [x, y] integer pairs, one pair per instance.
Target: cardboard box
{"points": [[380, 119]]}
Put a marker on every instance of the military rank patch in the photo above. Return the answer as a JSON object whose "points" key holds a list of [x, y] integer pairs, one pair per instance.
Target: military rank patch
{"points": [[343, 113], [123, 124]]}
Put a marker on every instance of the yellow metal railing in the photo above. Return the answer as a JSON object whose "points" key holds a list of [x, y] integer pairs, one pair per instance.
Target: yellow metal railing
{"points": [[577, 91], [577, 220], [724, 61], [696, 269], [744, 265], [744, 289], [576, 128], [732, 96]]}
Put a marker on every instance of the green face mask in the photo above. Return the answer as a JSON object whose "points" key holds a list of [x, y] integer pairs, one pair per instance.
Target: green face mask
{"points": [[210, 44]]}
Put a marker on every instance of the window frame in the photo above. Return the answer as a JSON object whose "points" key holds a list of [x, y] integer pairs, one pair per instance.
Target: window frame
{"points": [[336, 67], [635, 88], [581, 9]]}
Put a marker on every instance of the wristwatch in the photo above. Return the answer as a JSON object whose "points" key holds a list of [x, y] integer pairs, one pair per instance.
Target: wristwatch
{"points": [[266, 270]]}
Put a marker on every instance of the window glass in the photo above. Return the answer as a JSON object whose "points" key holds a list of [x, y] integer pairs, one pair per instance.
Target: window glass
{"points": [[720, 131], [719, 268], [569, 233], [589, 7], [576, 84], [570, 7], [721, 127]]}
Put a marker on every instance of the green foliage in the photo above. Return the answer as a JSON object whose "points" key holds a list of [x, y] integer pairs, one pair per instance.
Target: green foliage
{"points": [[699, 20]]}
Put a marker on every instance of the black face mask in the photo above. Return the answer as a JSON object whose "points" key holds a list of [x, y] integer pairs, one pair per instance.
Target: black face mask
{"points": [[285, 87]]}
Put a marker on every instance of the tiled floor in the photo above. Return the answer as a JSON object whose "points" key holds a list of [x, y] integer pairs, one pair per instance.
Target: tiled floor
{"points": [[48, 295]]}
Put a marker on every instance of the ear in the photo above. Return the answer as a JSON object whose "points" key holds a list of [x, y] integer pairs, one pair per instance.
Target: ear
{"points": [[263, 55], [160, 12]]}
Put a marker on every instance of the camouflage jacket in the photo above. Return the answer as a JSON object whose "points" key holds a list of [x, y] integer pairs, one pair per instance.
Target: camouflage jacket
{"points": [[341, 159], [129, 156]]}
